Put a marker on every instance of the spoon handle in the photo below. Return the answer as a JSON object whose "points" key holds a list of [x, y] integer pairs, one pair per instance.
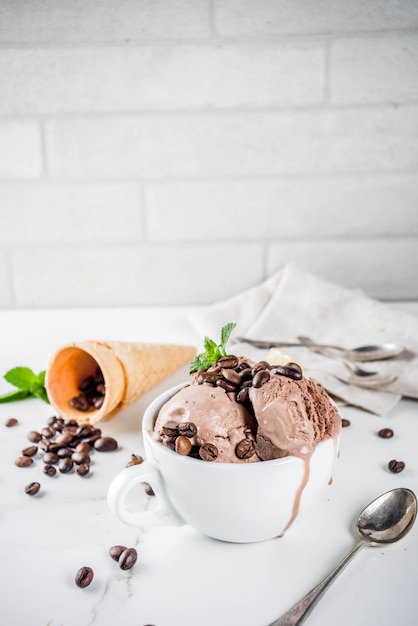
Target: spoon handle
{"points": [[300, 611]]}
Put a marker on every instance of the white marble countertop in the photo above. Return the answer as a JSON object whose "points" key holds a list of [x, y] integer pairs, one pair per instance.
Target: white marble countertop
{"points": [[182, 578]]}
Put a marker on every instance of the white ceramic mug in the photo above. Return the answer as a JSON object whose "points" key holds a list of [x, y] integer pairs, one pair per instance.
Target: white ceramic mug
{"points": [[237, 502]]}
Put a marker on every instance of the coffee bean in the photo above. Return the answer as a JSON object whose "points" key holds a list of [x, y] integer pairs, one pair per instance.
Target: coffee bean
{"points": [[64, 438], [105, 444], [49, 470], [116, 551], [24, 461], [289, 372], [80, 459], [87, 383], [52, 421], [34, 436], [396, 466], [170, 429], [48, 432], [229, 362], [385, 433], [12, 421], [149, 490], [30, 451], [187, 429], [242, 395], [136, 459], [231, 376], [261, 377], [229, 387], [128, 558], [65, 465], [32, 488], [345, 423], [98, 376], [80, 403], [208, 452], [50, 458], [84, 577], [84, 448], [64, 453], [83, 469], [98, 401], [246, 373], [245, 449], [261, 365], [183, 445]]}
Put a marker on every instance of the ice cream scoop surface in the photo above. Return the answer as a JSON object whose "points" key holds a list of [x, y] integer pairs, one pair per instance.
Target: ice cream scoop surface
{"points": [[219, 419], [293, 417]]}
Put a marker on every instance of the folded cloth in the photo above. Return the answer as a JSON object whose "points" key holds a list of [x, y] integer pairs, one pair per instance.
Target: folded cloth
{"points": [[292, 303]]}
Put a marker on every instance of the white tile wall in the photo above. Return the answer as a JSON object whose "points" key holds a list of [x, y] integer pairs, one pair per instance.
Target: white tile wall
{"points": [[180, 151]]}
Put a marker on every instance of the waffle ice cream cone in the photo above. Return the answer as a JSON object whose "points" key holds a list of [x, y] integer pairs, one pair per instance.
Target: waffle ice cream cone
{"points": [[129, 371]]}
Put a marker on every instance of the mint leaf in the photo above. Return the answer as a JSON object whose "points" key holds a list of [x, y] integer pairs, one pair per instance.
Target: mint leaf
{"points": [[28, 384], [41, 394], [12, 396], [226, 333], [213, 351], [21, 377]]}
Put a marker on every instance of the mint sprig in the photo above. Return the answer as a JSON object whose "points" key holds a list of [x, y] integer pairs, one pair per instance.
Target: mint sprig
{"points": [[27, 383], [213, 351]]}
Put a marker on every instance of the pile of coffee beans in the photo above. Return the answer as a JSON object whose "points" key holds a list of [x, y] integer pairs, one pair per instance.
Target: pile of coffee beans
{"points": [[125, 558], [237, 376], [66, 447], [92, 392]]}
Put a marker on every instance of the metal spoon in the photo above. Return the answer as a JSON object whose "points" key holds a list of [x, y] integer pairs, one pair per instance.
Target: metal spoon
{"points": [[359, 376], [385, 520], [376, 352]]}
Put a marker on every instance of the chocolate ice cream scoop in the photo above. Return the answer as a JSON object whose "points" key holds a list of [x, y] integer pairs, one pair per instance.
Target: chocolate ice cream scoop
{"points": [[293, 417]]}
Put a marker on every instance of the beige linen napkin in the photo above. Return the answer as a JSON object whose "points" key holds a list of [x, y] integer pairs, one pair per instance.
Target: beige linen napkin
{"points": [[292, 303]]}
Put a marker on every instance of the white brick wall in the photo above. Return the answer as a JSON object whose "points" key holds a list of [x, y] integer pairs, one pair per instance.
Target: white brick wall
{"points": [[180, 151]]}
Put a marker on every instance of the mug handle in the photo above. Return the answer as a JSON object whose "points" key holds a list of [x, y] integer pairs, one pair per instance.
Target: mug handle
{"points": [[163, 514]]}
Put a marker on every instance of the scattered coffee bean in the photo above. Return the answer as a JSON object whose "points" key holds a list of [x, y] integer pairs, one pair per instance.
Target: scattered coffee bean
{"points": [[83, 448], [149, 490], [289, 372], [49, 470], [345, 422], [105, 444], [116, 551], [183, 445], [208, 452], [32, 488], [84, 577], [12, 421], [385, 433], [242, 395], [65, 465], [228, 362], [48, 432], [80, 459], [30, 451], [34, 436], [128, 558], [396, 466], [245, 449], [136, 459], [23, 461], [83, 469], [50, 458], [64, 452]]}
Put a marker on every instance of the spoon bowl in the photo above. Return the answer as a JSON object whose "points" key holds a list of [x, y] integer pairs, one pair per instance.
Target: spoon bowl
{"points": [[385, 520]]}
